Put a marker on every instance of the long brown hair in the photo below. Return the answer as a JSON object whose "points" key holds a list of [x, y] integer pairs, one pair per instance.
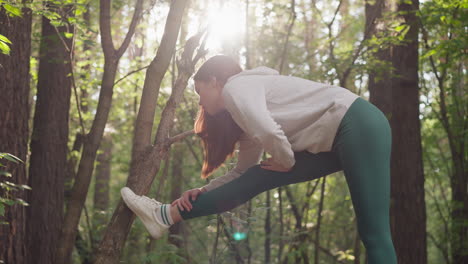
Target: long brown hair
{"points": [[219, 133]]}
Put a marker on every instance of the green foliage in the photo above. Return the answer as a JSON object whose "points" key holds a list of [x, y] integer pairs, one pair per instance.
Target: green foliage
{"points": [[443, 73], [168, 253], [12, 8], [309, 55], [4, 48], [8, 187]]}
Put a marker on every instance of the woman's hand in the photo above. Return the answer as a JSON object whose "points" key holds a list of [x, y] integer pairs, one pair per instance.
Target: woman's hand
{"points": [[184, 203], [270, 164]]}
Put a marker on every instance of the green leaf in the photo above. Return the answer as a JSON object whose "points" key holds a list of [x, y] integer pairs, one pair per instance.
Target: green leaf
{"points": [[12, 10], [21, 202], [23, 186], [4, 48], [52, 15], [72, 20], [429, 53], [5, 173], [12, 158], [68, 35], [8, 202], [4, 39], [400, 28]]}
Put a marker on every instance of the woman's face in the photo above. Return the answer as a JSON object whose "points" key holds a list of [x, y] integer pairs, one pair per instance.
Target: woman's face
{"points": [[210, 96]]}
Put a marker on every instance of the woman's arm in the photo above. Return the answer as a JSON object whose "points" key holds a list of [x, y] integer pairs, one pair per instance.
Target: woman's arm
{"points": [[250, 153], [246, 101]]}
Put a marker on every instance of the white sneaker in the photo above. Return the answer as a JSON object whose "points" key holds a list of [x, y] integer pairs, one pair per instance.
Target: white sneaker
{"points": [[145, 208]]}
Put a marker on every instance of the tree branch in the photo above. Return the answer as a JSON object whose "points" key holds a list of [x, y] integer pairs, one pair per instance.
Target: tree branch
{"points": [[154, 76], [105, 27], [178, 137], [135, 19], [186, 66], [130, 73]]}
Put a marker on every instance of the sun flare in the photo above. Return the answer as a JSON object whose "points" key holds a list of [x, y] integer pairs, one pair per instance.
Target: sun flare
{"points": [[225, 24]]}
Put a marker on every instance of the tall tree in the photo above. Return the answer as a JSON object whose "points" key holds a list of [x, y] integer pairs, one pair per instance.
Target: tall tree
{"points": [[14, 129], [93, 138], [408, 208], [49, 140], [147, 155], [397, 95]]}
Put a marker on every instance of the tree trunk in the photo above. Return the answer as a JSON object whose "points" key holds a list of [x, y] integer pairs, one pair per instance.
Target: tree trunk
{"points": [[379, 87], [93, 139], [319, 220], [48, 165], [147, 155], [267, 229], [176, 191], [281, 225], [397, 95], [407, 188], [14, 131], [101, 189]]}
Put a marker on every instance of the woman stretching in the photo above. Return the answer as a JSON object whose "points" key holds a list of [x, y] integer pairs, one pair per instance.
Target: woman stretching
{"points": [[310, 130]]}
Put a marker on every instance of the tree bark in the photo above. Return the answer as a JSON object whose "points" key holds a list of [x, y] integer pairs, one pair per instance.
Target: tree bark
{"points": [[93, 139], [14, 129], [319, 220], [176, 190], [408, 209], [146, 157], [49, 142], [397, 95], [379, 86], [101, 189], [267, 229]]}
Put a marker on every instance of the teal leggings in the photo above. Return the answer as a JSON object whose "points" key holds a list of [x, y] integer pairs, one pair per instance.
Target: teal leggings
{"points": [[361, 149]]}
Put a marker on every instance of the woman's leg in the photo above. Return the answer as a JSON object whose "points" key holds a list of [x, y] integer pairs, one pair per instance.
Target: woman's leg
{"points": [[257, 180], [363, 145]]}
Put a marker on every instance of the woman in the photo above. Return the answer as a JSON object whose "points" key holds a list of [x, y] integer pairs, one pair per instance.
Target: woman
{"points": [[309, 129]]}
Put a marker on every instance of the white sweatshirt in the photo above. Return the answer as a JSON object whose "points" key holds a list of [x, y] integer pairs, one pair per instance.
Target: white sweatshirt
{"points": [[281, 115]]}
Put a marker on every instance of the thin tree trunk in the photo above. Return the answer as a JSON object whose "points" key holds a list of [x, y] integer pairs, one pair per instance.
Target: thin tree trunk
{"points": [[300, 237], [14, 131], [319, 221], [176, 191], [247, 241], [281, 223], [234, 247], [284, 52], [93, 139], [267, 229], [49, 142]]}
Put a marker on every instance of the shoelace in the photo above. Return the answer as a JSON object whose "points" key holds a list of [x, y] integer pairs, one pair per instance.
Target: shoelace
{"points": [[147, 199]]}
